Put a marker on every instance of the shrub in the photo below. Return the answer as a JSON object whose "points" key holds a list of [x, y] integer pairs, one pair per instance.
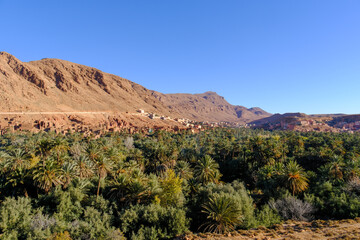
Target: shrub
{"points": [[41, 226], [293, 208], [332, 201], [95, 225], [171, 194], [267, 217], [15, 218], [153, 222]]}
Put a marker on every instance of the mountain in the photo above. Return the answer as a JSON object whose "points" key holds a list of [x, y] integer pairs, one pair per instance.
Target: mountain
{"points": [[277, 118], [209, 106], [53, 85], [58, 85]]}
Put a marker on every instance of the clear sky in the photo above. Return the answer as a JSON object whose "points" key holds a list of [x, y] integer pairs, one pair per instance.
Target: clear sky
{"points": [[280, 55]]}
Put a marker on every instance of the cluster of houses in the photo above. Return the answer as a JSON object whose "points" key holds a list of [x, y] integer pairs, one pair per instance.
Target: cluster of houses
{"points": [[199, 125], [348, 126], [186, 122], [300, 124]]}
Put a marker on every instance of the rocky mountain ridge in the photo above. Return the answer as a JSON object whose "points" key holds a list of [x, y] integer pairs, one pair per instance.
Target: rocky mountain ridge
{"points": [[59, 85]]}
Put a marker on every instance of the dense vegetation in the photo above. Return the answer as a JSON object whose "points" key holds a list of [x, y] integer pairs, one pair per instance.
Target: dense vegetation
{"points": [[162, 185]]}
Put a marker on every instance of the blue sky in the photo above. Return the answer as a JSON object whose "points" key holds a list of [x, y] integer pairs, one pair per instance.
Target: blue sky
{"points": [[280, 55]]}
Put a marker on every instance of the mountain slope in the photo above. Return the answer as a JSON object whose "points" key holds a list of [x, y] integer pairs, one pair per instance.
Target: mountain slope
{"points": [[58, 85], [209, 106]]}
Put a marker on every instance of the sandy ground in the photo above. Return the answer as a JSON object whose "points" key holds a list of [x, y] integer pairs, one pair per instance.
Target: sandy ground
{"points": [[343, 229]]}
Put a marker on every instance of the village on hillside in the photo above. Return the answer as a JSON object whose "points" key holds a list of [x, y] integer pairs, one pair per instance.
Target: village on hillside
{"points": [[308, 124], [98, 123]]}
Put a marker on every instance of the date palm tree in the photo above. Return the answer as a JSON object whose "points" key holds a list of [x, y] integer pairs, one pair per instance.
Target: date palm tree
{"points": [[15, 166], [60, 147], [69, 173], [222, 214], [103, 167], [17, 158], [295, 176], [336, 166], [48, 175], [84, 167], [206, 170], [183, 170]]}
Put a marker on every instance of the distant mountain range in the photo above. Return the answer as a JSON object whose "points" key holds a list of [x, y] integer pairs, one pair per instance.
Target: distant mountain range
{"points": [[53, 85]]}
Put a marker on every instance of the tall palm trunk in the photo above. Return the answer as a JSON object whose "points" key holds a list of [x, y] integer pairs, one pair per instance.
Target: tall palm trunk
{"points": [[98, 188]]}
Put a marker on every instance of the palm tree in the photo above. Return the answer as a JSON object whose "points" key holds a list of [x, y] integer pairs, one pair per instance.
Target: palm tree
{"points": [[222, 214], [48, 175], [15, 165], [69, 173], [183, 170], [61, 146], [206, 170], [93, 151], [126, 189], [336, 168], [296, 179], [84, 167], [17, 158], [103, 166], [44, 146], [119, 187], [352, 168]]}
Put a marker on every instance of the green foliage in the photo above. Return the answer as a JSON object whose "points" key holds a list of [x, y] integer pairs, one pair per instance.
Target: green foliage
{"points": [[95, 225], [153, 222], [206, 170], [15, 217], [296, 180], [332, 202], [47, 175], [222, 213], [267, 217], [171, 194], [83, 188], [234, 192]]}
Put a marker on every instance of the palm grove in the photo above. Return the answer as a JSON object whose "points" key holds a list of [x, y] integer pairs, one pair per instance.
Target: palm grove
{"points": [[162, 185]]}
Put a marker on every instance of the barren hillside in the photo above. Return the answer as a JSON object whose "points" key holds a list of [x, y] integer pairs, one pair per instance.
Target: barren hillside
{"points": [[209, 106], [62, 86], [58, 85]]}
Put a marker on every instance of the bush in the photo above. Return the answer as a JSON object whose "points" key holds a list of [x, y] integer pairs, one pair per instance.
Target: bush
{"points": [[293, 208], [42, 226], [95, 225], [153, 222], [267, 217], [332, 201], [234, 191], [15, 218]]}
